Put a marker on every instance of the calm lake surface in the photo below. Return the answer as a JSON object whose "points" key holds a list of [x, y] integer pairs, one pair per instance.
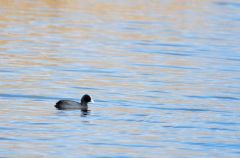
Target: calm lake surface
{"points": [[164, 74]]}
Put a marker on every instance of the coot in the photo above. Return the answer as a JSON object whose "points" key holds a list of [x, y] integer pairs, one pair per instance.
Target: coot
{"points": [[71, 105]]}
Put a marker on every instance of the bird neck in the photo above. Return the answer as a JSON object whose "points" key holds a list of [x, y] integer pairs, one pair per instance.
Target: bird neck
{"points": [[84, 106]]}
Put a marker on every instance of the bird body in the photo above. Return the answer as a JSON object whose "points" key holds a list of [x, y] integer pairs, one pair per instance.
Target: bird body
{"points": [[73, 105]]}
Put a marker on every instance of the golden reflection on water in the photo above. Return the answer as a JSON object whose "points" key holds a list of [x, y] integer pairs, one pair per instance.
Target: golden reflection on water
{"points": [[27, 22], [44, 27], [172, 12]]}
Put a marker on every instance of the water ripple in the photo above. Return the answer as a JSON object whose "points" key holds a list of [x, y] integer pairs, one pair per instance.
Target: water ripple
{"points": [[35, 97], [214, 97]]}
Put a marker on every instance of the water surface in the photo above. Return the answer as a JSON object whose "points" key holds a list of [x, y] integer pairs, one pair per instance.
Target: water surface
{"points": [[164, 75]]}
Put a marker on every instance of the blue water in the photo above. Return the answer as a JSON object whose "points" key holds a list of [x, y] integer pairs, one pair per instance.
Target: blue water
{"points": [[164, 76]]}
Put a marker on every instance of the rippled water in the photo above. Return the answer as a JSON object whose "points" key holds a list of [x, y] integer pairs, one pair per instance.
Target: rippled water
{"points": [[164, 75]]}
